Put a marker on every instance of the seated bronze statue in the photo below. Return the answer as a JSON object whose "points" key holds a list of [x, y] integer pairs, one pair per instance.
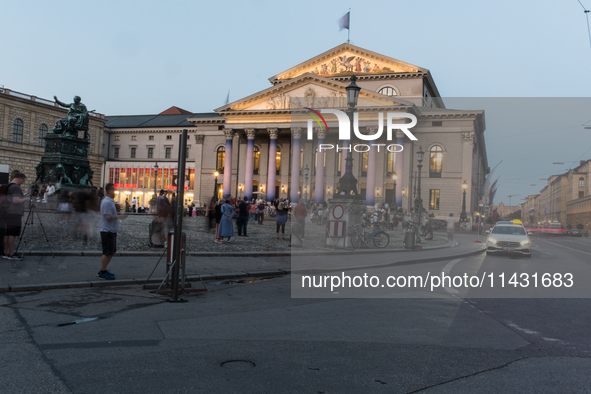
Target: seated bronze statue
{"points": [[77, 119]]}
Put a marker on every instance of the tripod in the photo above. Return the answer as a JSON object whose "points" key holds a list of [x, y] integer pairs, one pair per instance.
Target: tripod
{"points": [[30, 221]]}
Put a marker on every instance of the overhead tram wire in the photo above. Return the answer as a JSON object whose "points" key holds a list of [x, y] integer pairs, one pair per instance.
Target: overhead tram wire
{"points": [[586, 16]]}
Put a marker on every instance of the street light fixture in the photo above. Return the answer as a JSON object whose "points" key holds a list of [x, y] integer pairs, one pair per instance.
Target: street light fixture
{"points": [[215, 187], [306, 173], [418, 200], [348, 183], [464, 215], [394, 206]]}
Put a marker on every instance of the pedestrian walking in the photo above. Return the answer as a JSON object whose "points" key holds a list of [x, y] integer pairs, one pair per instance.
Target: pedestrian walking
{"points": [[218, 219], [12, 211], [260, 212], [133, 204], [451, 226], [242, 221], [109, 229], [226, 226], [300, 212], [281, 219]]}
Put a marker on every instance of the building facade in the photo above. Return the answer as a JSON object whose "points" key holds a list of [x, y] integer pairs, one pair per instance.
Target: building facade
{"points": [[263, 146], [25, 120]]}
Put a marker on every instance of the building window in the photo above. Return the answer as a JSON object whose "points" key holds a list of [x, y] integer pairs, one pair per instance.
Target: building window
{"points": [[134, 137], [435, 161], [17, 131], [167, 153], [117, 138], [133, 153], [388, 91], [256, 156], [220, 158], [150, 153], [581, 194], [339, 161], [278, 160], [115, 153], [364, 158], [434, 199], [391, 164], [42, 134], [187, 152], [301, 159], [169, 137], [151, 137], [581, 182]]}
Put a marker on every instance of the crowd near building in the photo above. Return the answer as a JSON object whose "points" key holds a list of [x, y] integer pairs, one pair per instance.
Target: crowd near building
{"points": [[565, 200], [253, 148]]}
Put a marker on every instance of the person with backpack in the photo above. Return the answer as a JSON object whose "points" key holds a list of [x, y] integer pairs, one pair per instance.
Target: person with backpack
{"points": [[12, 209], [282, 209]]}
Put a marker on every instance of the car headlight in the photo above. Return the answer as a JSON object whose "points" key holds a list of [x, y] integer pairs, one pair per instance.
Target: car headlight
{"points": [[525, 242], [492, 241]]}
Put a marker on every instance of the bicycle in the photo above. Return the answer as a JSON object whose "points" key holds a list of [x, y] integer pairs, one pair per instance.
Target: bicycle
{"points": [[359, 238], [426, 230]]}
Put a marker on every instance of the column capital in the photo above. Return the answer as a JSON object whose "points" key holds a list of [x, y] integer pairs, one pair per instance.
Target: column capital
{"points": [[400, 134], [296, 133], [371, 130], [229, 133], [320, 132], [273, 133], [199, 139], [250, 133], [468, 136]]}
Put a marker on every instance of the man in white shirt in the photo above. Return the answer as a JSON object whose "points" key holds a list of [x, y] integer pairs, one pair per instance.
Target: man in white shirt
{"points": [[50, 191], [451, 226], [133, 204]]}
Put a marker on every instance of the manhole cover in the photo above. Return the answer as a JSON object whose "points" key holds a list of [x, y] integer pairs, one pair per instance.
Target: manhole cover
{"points": [[238, 365]]}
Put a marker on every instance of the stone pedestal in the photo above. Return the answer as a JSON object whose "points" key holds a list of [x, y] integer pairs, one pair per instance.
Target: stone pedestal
{"points": [[345, 209], [66, 160]]}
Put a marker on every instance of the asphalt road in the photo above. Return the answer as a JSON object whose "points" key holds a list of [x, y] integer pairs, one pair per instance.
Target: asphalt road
{"points": [[254, 337]]}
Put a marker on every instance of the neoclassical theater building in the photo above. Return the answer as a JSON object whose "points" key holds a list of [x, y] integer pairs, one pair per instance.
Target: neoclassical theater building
{"points": [[269, 145]]}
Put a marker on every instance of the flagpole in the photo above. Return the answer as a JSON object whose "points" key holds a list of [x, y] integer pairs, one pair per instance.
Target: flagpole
{"points": [[349, 29]]}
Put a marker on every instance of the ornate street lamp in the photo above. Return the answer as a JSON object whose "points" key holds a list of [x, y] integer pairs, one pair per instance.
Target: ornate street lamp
{"points": [[418, 200], [394, 206], [215, 187], [306, 173], [348, 183], [464, 215], [153, 205]]}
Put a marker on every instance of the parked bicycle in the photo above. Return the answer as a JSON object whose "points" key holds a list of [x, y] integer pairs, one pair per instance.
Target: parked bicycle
{"points": [[359, 238], [426, 230]]}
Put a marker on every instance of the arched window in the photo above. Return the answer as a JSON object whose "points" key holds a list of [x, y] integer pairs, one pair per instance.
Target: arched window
{"points": [[435, 161], [220, 158], [42, 134], [364, 159], [316, 160], [391, 164], [581, 182], [17, 131], [257, 157], [388, 91], [278, 159]]}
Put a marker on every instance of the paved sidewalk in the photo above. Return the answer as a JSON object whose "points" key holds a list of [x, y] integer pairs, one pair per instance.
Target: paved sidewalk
{"points": [[66, 270]]}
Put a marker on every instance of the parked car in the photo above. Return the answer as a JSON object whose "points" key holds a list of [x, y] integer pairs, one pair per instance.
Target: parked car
{"points": [[510, 239]]}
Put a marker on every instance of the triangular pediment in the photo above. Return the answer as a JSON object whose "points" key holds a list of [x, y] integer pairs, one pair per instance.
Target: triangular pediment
{"points": [[324, 92], [347, 59]]}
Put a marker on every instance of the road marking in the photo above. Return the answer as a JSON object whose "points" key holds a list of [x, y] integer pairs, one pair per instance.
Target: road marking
{"points": [[446, 271], [566, 247]]}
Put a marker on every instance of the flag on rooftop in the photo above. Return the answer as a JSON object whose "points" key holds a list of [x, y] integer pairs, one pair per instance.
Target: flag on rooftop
{"points": [[344, 21]]}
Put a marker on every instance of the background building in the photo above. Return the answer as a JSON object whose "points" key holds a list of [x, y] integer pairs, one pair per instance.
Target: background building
{"points": [[25, 120], [260, 151]]}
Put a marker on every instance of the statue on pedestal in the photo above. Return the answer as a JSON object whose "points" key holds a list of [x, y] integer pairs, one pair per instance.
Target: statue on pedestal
{"points": [[77, 119]]}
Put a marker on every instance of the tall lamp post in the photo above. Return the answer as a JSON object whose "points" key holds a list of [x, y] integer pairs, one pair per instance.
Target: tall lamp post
{"points": [[215, 187], [393, 205], [348, 183], [306, 173], [464, 215], [153, 205], [418, 200]]}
